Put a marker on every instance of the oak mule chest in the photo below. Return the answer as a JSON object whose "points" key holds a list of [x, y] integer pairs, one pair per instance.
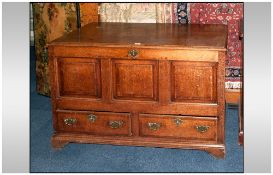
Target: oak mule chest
{"points": [[159, 85]]}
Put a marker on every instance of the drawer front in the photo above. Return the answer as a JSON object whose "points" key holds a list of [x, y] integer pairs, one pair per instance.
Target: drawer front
{"points": [[185, 127], [99, 123]]}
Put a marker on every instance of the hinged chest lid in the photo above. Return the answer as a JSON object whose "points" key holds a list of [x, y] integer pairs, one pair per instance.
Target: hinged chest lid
{"points": [[206, 36]]}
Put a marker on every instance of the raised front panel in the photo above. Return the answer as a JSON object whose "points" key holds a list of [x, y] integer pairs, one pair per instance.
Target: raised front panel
{"points": [[79, 77], [184, 127], [135, 80], [193, 81], [99, 123]]}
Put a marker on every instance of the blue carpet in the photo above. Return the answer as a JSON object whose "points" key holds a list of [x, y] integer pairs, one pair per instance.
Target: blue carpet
{"points": [[108, 158]]}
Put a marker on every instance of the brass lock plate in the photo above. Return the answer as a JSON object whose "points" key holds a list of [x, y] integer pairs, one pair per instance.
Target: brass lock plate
{"points": [[133, 53]]}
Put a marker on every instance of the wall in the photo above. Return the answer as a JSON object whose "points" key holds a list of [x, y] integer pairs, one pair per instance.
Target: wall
{"points": [[52, 20]]}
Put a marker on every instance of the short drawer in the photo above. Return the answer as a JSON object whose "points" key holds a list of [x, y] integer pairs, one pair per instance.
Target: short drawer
{"points": [[98, 123], [184, 127]]}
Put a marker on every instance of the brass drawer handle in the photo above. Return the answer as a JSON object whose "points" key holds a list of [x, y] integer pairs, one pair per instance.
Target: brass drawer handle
{"points": [[70, 121], [154, 126], [133, 53], [178, 121], [116, 124], [92, 118], [202, 129]]}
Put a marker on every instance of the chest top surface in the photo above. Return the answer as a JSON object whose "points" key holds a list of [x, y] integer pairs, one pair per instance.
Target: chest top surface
{"points": [[208, 36]]}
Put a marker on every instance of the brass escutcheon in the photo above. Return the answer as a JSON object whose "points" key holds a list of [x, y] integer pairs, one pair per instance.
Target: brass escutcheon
{"points": [[115, 124], [70, 121], [178, 121], [92, 118], [202, 129], [154, 126], [133, 53]]}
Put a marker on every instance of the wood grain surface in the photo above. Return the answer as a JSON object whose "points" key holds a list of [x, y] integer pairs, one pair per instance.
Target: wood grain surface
{"points": [[145, 34], [158, 85]]}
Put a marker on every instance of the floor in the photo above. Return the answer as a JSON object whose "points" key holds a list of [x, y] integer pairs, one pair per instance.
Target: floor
{"points": [[108, 158]]}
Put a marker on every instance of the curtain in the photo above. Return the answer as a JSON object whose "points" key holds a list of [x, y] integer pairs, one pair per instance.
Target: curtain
{"points": [[139, 12], [52, 20]]}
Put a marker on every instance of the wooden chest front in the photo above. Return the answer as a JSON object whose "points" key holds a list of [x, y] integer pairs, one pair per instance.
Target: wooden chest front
{"points": [[159, 85]]}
